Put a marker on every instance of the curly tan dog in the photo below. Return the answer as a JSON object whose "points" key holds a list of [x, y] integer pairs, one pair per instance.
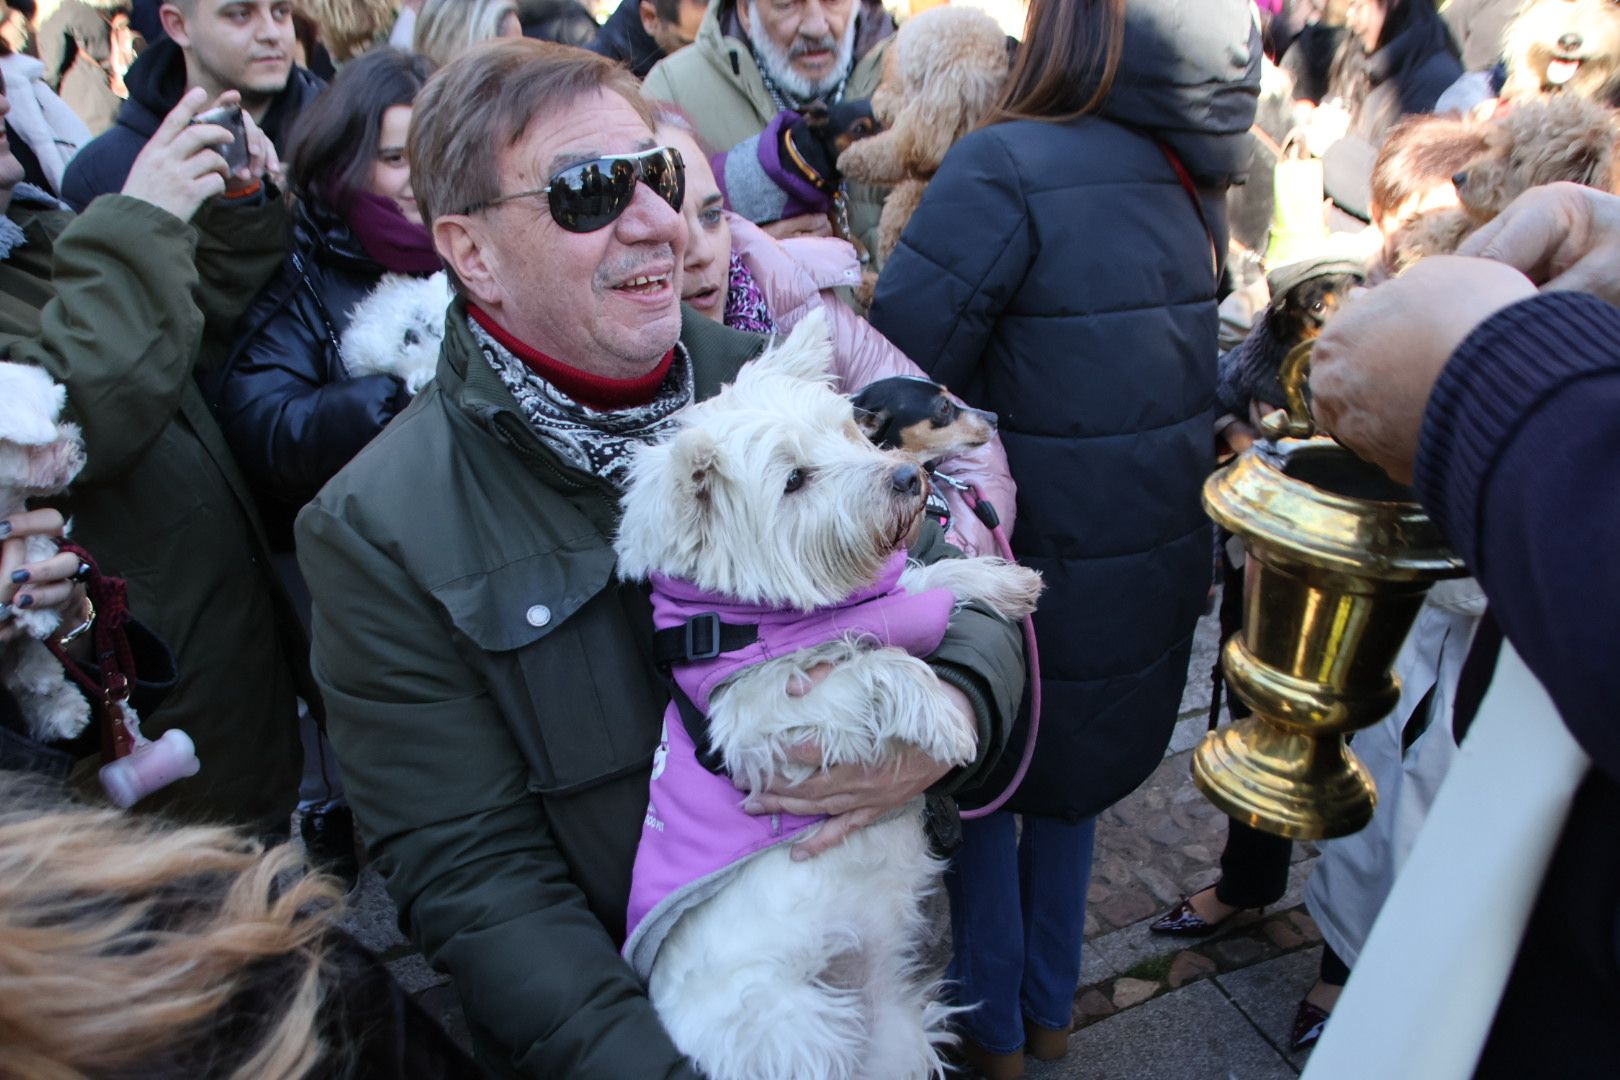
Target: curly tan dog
{"points": [[1538, 141], [940, 77]]}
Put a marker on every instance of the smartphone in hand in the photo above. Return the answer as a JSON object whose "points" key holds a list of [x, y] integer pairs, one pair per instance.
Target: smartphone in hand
{"points": [[229, 117]]}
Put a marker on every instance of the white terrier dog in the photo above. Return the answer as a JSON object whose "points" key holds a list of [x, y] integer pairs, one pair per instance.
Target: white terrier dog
{"points": [[39, 455], [774, 535], [397, 329]]}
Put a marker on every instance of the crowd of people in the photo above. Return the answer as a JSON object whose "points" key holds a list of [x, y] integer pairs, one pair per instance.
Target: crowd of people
{"points": [[359, 312]]}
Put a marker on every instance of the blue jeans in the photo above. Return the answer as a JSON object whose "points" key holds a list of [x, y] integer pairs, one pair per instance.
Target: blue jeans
{"points": [[1018, 917]]}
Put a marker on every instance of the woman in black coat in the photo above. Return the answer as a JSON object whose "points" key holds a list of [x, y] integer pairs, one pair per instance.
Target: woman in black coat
{"points": [[1061, 271], [1396, 59], [285, 400]]}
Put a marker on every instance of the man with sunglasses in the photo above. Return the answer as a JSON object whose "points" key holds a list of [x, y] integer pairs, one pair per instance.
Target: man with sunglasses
{"points": [[489, 681]]}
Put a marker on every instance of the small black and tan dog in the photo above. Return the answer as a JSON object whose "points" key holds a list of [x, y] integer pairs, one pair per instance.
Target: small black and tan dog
{"points": [[1305, 297], [813, 142], [917, 415]]}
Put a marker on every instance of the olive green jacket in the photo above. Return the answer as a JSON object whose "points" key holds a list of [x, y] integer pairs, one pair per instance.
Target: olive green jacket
{"points": [[716, 82], [492, 698], [113, 305]]}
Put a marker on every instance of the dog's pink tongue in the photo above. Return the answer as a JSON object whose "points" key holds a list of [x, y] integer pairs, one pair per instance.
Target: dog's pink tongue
{"points": [[1560, 72]]}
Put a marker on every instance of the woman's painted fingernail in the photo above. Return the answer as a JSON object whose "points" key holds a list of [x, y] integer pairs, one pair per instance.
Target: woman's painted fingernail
{"points": [[5, 528], [26, 600], [797, 853], [19, 576]]}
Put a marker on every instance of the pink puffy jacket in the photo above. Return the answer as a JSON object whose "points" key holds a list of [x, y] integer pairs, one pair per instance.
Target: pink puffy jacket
{"points": [[797, 277]]}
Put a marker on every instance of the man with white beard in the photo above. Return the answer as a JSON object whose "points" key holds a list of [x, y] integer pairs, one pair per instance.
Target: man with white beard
{"points": [[754, 58]]}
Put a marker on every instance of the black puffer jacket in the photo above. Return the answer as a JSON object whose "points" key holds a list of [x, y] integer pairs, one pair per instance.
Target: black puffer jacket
{"points": [[1060, 274], [285, 401]]}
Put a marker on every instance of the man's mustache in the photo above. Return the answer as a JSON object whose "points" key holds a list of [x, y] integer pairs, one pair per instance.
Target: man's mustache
{"points": [[802, 45]]}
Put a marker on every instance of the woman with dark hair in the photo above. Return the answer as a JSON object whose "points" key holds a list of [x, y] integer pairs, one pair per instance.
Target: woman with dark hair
{"points": [[288, 407], [1061, 271], [287, 404], [1395, 60]]}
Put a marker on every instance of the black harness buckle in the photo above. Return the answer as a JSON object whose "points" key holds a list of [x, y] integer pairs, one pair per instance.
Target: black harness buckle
{"points": [[704, 628]]}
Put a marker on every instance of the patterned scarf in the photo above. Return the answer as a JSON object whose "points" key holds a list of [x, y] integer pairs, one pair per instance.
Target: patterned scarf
{"points": [[595, 442], [746, 308]]}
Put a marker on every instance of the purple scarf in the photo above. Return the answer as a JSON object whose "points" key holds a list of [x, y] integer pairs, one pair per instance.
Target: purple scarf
{"points": [[393, 241], [745, 302]]}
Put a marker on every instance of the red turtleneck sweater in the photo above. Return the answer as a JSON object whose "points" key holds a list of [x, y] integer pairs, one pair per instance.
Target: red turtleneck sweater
{"points": [[594, 391]]}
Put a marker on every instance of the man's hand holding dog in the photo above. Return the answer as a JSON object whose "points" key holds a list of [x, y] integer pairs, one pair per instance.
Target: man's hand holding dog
{"points": [[853, 796]]}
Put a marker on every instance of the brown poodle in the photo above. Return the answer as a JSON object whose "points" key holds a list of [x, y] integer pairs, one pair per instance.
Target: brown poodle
{"points": [[1537, 141], [941, 74], [1567, 46]]}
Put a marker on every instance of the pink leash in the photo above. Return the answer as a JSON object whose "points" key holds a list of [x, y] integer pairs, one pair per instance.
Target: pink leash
{"points": [[992, 521]]}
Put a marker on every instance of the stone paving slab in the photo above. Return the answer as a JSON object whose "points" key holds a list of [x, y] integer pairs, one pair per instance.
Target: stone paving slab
{"points": [[1195, 1033], [1268, 994]]}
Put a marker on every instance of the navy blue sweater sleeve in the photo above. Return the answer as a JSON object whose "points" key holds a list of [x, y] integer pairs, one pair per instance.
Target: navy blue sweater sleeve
{"points": [[1519, 463]]}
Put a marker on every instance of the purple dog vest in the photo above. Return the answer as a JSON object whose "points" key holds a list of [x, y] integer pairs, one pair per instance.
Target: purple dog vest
{"points": [[695, 835]]}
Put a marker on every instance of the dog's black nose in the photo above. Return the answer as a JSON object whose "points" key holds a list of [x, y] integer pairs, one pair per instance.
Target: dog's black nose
{"points": [[1459, 179], [906, 480], [1571, 43]]}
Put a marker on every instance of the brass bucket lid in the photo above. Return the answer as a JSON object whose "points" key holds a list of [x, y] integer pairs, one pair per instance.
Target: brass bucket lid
{"points": [[1312, 501]]}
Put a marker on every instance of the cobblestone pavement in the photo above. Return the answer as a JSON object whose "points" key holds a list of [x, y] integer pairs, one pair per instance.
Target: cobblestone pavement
{"points": [[1149, 1007]]}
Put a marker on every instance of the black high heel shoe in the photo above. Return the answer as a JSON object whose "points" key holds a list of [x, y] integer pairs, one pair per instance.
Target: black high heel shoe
{"points": [[1183, 921]]}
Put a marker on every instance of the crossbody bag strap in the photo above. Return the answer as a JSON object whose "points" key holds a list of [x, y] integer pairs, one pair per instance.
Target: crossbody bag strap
{"points": [[1191, 189]]}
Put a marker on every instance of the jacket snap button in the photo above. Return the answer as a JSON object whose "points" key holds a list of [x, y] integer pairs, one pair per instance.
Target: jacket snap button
{"points": [[538, 615]]}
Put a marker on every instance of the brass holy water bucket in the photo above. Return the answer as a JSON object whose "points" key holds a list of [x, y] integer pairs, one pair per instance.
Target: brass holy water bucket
{"points": [[1339, 557]]}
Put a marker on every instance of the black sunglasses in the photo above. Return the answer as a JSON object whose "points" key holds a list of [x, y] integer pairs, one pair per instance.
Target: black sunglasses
{"points": [[592, 194]]}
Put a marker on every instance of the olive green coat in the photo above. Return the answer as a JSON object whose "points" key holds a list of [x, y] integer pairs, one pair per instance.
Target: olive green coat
{"points": [[112, 304], [716, 82], [492, 699]]}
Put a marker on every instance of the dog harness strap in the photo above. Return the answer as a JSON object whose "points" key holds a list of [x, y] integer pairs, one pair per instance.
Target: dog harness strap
{"points": [[701, 637], [696, 725]]}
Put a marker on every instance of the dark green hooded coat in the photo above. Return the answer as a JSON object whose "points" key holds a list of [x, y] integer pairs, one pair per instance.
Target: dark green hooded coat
{"points": [[113, 304]]}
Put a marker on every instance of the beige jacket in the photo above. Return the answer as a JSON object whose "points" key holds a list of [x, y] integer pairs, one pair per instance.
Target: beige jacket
{"points": [[716, 82]]}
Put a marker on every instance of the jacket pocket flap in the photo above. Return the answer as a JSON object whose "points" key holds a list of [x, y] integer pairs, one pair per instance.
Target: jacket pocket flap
{"points": [[520, 602]]}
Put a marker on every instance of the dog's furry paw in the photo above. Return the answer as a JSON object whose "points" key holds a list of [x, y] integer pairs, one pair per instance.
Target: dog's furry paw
{"points": [[52, 706], [870, 702], [1008, 589]]}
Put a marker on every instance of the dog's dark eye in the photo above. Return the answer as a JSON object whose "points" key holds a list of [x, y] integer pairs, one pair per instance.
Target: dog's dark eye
{"points": [[795, 481]]}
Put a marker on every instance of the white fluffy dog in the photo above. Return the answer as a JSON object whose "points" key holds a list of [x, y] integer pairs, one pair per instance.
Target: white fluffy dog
{"points": [[39, 455], [397, 329], [769, 499], [1568, 46]]}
